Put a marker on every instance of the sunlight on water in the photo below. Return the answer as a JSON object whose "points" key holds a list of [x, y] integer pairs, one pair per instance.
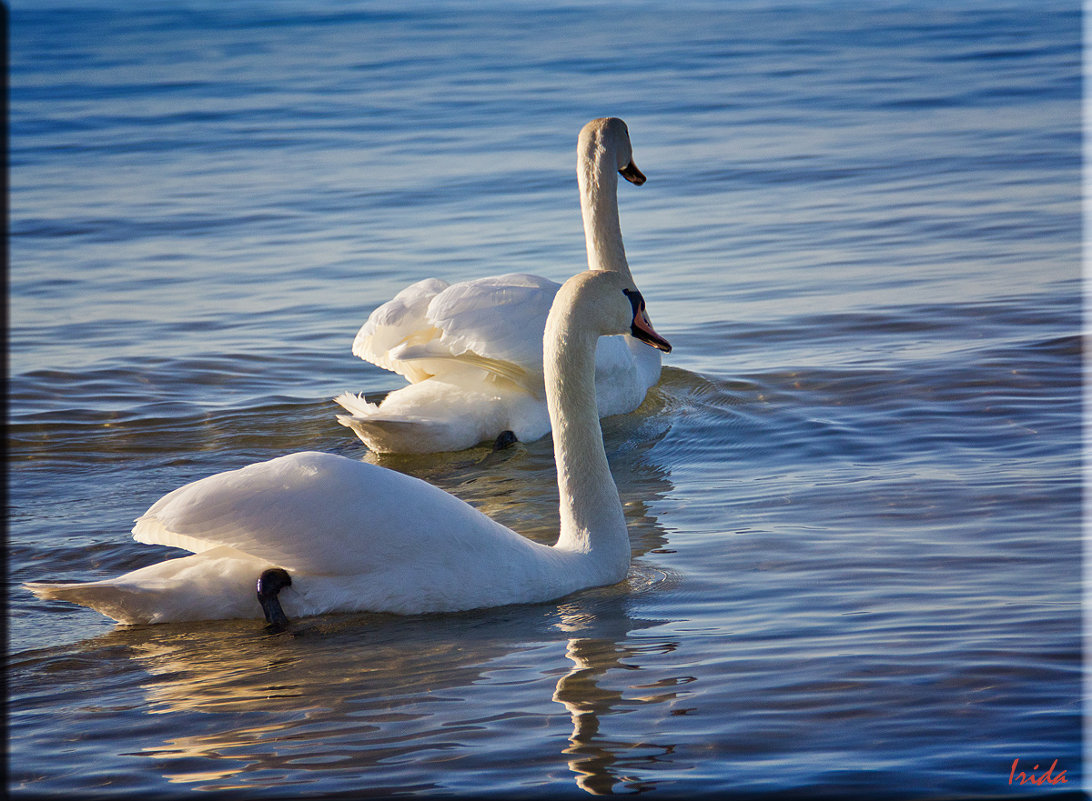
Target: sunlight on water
{"points": [[853, 498]]}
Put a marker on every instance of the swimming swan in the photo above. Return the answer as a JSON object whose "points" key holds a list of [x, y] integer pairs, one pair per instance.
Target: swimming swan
{"points": [[472, 351], [343, 535]]}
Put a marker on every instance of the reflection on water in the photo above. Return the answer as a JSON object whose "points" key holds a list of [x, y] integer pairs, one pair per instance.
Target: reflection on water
{"points": [[357, 696], [337, 695], [614, 689], [598, 761], [379, 696], [857, 515]]}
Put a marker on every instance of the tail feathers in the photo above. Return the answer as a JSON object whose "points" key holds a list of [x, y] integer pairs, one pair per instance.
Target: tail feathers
{"points": [[125, 604], [355, 404], [409, 435], [215, 584], [402, 434]]}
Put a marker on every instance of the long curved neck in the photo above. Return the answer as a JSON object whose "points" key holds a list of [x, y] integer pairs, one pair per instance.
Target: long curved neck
{"points": [[598, 179], [592, 520]]}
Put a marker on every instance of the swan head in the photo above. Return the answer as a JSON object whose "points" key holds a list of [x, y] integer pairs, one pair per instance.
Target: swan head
{"points": [[606, 304], [605, 141], [641, 327]]}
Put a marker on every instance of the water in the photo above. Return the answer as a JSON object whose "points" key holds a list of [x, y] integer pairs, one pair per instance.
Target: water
{"points": [[854, 498]]}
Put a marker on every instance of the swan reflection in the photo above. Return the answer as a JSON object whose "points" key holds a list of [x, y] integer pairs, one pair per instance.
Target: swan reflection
{"points": [[394, 704], [606, 682], [258, 711]]}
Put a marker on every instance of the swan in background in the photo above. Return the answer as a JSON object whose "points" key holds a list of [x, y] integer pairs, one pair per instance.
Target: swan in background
{"points": [[323, 533], [472, 351]]}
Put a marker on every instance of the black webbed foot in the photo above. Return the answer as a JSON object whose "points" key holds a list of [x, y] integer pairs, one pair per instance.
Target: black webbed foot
{"points": [[270, 583], [506, 439]]}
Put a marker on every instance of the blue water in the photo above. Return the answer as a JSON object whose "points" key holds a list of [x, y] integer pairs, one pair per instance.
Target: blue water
{"points": [[854, 498]]}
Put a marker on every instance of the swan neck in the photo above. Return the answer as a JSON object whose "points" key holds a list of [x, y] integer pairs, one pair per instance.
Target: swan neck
{"points": [[592, 520], [599, 208]]}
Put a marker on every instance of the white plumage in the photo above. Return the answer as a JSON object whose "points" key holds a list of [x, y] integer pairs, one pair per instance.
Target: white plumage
{"points": [[472, 351], [355, 536]]}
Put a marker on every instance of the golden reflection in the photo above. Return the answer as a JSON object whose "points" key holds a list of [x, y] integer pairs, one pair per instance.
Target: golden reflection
{"points": [[600, 685], [343, 697]]}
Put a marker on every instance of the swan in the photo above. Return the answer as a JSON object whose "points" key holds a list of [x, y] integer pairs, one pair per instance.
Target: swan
{"points": [[325, 533], [472, 351]]}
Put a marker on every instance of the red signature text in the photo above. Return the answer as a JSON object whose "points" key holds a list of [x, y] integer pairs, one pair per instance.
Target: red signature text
{"points": [[1046, 777]]}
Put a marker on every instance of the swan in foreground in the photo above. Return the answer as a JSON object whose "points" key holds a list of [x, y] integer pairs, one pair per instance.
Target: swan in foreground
{"points": [[472, 351], [331, 534]]}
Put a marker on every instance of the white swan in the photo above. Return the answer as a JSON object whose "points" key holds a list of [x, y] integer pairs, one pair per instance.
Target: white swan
{"points": [[354, 536], [472, 351]]}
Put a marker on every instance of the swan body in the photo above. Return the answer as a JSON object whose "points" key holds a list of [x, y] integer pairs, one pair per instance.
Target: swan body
{"points": [[472, 351], [354, 536]]}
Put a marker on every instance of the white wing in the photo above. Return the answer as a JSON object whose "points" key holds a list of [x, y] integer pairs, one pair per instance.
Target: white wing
{"points": [[319, 514], [472, 352], [493, 324], [500, 318], [402, 319]]}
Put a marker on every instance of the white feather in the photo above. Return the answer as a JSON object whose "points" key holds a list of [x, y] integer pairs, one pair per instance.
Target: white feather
{"points": [[479, 343], [355, 536]]}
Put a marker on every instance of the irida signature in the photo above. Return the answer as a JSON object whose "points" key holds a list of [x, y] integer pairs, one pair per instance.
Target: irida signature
{"points": [[1046, 777]]}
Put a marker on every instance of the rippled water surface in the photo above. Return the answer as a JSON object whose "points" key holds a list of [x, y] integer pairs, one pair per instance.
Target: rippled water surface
{"points": [[854, 498]]}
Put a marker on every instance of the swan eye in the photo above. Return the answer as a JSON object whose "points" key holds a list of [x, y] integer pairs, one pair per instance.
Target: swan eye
{"points": [[636, 300]]}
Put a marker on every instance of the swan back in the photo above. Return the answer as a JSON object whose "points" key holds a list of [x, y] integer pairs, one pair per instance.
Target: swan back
{"points": [[355, 536], [313, 513]]}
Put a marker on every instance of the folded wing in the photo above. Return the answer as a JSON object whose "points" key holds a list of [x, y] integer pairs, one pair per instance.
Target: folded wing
{"points": [[314, 512], [493, 324]]}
